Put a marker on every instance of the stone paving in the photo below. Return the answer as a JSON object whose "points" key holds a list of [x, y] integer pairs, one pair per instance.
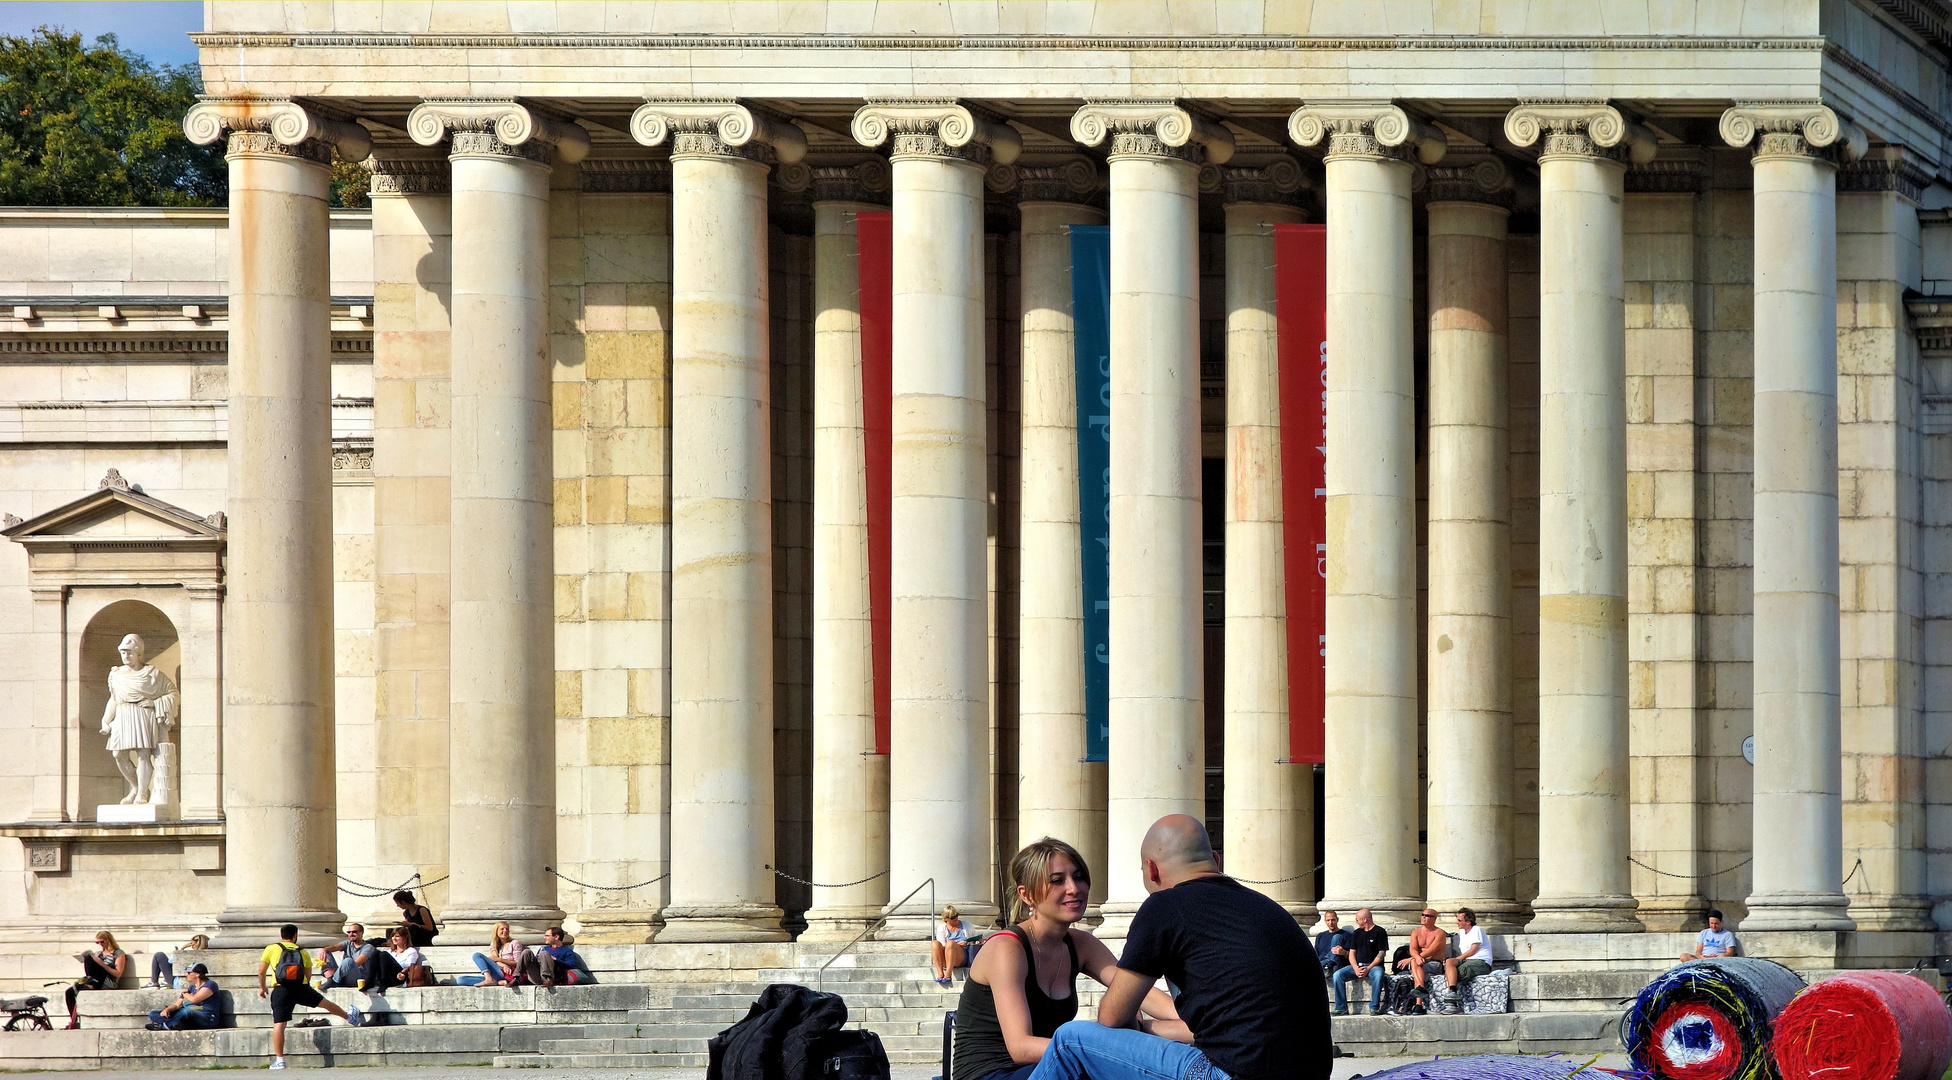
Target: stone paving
{"points": [[1345, 1069]]}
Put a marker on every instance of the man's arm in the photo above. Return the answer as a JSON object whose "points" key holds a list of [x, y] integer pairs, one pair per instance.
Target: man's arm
{"points": [[1119, 1008], [1468, 953], [262, 968]]}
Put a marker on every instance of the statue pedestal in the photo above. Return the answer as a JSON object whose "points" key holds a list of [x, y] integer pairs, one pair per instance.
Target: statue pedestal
{"points": [[144, 813]]}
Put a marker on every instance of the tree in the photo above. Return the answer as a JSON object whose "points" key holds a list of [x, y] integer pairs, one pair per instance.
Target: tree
{"points": [[99, 126]]}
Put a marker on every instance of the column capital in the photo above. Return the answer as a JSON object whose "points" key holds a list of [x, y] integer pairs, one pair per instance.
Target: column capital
{"points": [[718, 128], [864, 182], [476, 128], [1807, 130], [1474, 178], [1152, 129], [401, 171], [1366, 129], [939, 129], [1075, 181], [1579, 129], [1280, 181], [276, 127]]}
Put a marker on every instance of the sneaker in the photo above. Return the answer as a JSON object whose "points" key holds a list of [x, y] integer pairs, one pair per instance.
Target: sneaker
{"points": [[152, 1026], [354, 1016], [277, 1063], [1338, 1012]]}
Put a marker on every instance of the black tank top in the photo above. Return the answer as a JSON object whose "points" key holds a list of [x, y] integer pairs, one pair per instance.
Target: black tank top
{"points": [[980, 1049]]}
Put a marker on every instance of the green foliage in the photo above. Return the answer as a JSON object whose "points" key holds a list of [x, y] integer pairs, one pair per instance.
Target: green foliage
{"points": [[99, 126], [351, 184]]}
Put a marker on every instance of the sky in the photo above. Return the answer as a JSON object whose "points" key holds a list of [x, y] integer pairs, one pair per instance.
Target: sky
{"points": [[155, 29]]}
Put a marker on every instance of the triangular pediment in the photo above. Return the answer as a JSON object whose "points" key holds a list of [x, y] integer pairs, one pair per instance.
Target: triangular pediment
{"points": [[117, 512]]}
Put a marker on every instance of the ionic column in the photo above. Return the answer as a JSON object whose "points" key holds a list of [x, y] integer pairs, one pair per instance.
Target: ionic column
{"points": [[1156, 645], [850, 781], [939, 778], [1371, 792], [1797, 659], [1270, 803], [1059, 793], [721, 517], [279, 784], [502, 733], [1584, 885], [412, 241], [1469, 541]]}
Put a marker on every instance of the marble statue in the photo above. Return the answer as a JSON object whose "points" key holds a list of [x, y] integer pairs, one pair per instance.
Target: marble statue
{"points": [[141, 702]]}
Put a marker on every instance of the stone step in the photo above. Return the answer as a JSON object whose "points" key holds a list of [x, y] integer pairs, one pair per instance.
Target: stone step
{"points": [[1577, 991], [659, 1061]]}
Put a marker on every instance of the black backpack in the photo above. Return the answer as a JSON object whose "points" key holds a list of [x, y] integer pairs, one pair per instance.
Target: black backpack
{"points": [[291, 965], [852, 1054]]}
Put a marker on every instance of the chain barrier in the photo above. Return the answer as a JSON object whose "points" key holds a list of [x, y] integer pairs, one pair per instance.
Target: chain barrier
{"points": [[1476, 880], [1280, 881], [605, 888], [1692, 877], [373, 892], [818, 885]]}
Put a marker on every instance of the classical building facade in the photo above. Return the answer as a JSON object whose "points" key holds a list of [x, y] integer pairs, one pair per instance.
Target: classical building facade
{"points": [[512, 538]]}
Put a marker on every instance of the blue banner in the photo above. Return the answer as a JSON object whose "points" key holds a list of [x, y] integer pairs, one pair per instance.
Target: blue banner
{"points": [[1091, 321]]}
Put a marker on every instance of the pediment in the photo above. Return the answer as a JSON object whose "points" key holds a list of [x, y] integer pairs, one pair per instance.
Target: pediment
{"points": [[117, 512]]}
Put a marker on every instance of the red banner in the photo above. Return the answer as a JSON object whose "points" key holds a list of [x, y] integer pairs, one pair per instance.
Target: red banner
{"points": [[1301, 309], [874, 234]]}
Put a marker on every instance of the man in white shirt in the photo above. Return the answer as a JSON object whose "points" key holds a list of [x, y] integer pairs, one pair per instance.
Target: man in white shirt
{"points": [[1472, 957], [1712, 942]]}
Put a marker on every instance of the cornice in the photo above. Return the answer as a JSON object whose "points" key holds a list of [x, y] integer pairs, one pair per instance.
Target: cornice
{"points": [[1280, 182], [718, 128], [626, 176], [1008, 42], [277, 127], [1886, 168], [868, 181], [474, 127], [1592, 130], [1675, 172], [1368, 130], [1077, 180], [1471, 178], [940, 129], [1156, 129], [417, 174]]}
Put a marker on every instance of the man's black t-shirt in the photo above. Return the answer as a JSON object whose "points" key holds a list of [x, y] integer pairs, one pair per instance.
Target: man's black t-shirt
{"points": [[1249, 984], [1370, 943]]}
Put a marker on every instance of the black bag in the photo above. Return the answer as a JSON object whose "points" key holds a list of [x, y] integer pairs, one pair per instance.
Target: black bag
{"points": [[1400, 995], [853, 1054], [778, 1038]]}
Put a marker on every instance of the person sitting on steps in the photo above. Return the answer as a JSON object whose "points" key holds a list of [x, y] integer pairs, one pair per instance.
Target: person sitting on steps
{"points": [[101, 969], [502, 964], [1428, 946], [1250, 987], [1023, 984], [951, 941], [418, 921], [1368, 955], [1473, 952], [162, 966], [195, 1010], [1712, 942]]}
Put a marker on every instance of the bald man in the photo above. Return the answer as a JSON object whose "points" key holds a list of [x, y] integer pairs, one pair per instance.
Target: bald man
{"points": [[1251, 1001]]}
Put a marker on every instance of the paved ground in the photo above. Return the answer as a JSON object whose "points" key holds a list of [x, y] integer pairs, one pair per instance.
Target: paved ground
{"points": [[1345, 1069]]}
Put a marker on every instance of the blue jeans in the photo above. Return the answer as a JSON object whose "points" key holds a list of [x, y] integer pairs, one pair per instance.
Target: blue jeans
{"points": [[191, 1017], [350, 966], [490, 972], [1347, 975], [1086, 1048]]}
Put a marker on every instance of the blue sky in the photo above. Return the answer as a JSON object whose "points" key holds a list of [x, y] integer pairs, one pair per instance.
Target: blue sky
{"points": [[152, 28]]}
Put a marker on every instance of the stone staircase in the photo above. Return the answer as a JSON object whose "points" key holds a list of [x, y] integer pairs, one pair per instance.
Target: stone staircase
{"points": [[888, 986]]}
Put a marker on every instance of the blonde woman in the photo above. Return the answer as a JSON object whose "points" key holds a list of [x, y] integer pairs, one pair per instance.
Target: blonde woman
{"points": [[501, 963], [1023, 985], [950, 944], [101, 969], [162, 966]]}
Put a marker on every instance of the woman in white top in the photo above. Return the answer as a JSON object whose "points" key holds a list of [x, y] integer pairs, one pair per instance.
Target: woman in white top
{"points": [[951, 941]]}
